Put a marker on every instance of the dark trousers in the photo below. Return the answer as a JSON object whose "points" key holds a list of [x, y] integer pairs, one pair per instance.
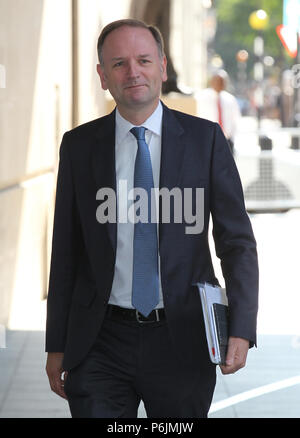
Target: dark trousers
{"points": [[131, 362]]}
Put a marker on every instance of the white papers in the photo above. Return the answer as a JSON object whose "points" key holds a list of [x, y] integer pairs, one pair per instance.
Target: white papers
{"points": [[209, 295]]}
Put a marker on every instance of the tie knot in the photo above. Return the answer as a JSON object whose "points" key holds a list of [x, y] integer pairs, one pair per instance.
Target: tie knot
{"points": [[138, 132]]}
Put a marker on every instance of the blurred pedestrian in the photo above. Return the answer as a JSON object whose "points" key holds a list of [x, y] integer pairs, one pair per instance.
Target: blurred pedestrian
{"points": [[218, 105]]}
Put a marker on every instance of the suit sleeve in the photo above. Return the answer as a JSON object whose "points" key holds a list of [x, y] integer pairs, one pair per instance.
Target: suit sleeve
{"points": [[234, 241], [64, 256]]}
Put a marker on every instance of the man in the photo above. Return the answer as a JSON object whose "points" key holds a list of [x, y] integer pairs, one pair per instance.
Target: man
{"points": [[218, 105], [110, 354]]}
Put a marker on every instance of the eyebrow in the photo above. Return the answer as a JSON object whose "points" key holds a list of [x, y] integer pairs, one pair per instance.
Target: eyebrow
{"points": [[120, 58]]}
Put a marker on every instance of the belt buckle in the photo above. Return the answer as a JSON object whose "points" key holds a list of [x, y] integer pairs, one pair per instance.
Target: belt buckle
{"points": [[146, 322]]}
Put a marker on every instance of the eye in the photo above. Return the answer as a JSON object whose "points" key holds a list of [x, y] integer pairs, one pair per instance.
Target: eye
{"points": [[144, 61], [118, 64]]}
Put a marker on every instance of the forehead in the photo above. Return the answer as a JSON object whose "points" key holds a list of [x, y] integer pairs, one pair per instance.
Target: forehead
{"points": [[127, 39]]}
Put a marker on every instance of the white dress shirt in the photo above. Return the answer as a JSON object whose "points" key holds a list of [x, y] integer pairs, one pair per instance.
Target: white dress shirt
{"points": [[126, 149], [207, 108]]}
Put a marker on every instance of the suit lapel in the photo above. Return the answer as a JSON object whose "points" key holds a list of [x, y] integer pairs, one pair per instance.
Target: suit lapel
{"points": [[103, 164], [172, 157], [172, 150]]}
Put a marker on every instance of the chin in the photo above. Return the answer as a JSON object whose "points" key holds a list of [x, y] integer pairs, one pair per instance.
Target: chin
{"points": [[139, 99]]}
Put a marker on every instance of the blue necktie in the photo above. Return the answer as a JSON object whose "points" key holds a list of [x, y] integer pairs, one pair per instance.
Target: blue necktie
{"points": [[145, 295]]}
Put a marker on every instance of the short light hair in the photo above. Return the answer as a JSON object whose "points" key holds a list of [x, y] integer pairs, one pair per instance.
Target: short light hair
{"points": [[131, 23]]}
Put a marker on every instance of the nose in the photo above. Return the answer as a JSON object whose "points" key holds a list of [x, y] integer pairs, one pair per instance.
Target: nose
{"points": [[133, 70]]}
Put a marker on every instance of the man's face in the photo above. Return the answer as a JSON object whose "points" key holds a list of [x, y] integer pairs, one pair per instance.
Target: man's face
{"points": [[133, 71]]}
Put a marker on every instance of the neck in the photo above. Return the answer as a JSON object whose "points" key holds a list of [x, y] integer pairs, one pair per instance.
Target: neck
{"points": [[138, 115]]}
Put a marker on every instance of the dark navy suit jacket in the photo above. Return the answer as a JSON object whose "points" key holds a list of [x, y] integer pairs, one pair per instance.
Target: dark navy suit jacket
{"points": [[195, 154]]}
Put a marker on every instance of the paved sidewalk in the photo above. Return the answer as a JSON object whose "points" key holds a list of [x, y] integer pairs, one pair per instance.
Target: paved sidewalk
{"points": [[24, 388]]}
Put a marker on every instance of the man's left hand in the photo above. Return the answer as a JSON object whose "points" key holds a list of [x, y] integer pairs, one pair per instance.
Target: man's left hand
{"points": [[236, 355]]}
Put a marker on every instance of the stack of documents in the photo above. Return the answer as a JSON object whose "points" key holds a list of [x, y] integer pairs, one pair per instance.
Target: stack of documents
{"points": [[215, 312]]}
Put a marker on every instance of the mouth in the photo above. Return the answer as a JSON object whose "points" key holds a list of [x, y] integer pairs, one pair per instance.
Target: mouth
{"points": [[134, 86]]}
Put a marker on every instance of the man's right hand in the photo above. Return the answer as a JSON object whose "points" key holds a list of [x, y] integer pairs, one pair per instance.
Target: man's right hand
{"points": [[55, 371]]}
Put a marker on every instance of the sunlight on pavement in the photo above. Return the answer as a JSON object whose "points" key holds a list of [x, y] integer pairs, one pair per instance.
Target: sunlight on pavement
{"points": [[247, 395]]}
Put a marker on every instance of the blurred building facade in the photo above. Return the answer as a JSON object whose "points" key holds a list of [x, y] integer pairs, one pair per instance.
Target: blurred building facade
{"points": [[49, 85]]}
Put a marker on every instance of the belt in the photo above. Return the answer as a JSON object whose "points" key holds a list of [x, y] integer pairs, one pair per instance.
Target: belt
{"points": [[123, 314]]}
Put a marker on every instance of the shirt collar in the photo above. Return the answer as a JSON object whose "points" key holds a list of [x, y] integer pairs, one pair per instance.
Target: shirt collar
{"points": [[153, 123]]}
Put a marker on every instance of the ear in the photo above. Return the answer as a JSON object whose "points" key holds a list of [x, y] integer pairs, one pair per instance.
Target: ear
{"points": [[164, 69], [102, 77]]}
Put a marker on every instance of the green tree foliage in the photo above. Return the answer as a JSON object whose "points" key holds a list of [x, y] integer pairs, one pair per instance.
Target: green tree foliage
{"points": [[234, 32]]}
